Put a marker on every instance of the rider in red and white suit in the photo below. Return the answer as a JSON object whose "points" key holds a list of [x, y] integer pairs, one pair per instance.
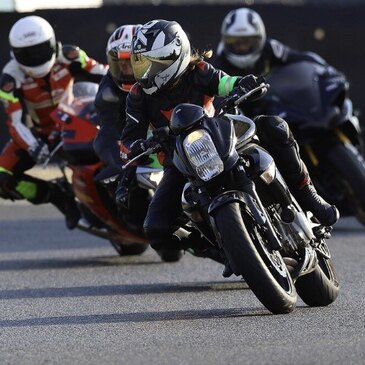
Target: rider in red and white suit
{"points": [[40, 73]]}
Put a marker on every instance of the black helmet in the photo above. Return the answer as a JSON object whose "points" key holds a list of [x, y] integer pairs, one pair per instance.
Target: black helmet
{"points": [[160, 54]]}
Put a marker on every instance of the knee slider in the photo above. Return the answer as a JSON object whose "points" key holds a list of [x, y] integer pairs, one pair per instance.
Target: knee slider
{"points": [[273, 129]]}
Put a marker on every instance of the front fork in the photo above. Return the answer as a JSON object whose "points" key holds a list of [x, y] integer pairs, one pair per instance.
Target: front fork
{"points": [[249, 200]]}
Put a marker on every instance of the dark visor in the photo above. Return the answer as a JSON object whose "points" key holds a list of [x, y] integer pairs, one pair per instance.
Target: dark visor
{"points": [[241, 45], [35, 55]]}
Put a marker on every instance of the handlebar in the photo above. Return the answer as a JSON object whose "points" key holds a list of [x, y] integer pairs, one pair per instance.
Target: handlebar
{"points": [[160, 135], [236, 99], [133, 158], [152, 144], [251, 92]]}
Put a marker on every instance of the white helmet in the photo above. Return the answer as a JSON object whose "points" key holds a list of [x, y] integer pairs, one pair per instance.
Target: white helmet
{"points": [[243, 37], [33, 44], [118, 52], [160, 54]]}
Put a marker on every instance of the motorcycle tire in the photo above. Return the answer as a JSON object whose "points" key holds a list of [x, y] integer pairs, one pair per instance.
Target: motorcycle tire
{"points": [[350, 165], [320, 287], [128, 250], [275, 290]]}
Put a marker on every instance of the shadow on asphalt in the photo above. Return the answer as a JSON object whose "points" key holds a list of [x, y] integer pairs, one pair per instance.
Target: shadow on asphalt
{"points": [[137, 317], [69, 263], [130, 289]]}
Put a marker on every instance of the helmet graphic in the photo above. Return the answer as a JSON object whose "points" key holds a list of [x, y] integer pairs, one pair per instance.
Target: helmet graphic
{"points": [[118, 52], [243, 37], [33, 44], [160, 54]]}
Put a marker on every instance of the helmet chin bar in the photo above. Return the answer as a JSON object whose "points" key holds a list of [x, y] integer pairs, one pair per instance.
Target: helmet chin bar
{"points": [[38, 71], [242, 61]]}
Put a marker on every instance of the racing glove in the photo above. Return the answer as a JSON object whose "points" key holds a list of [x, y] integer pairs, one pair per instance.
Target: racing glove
{"points": [[250, 82]]}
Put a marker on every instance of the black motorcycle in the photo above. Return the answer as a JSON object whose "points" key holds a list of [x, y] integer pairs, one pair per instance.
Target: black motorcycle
{"points": [[314, 100], [236, 198]]}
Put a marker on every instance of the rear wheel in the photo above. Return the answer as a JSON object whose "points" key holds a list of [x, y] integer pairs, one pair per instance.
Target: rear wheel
{"points": [[350, 165], [320, 287], [262, 268]]}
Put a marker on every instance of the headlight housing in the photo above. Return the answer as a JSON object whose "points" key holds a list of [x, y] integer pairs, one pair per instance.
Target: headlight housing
{"points": [[202, 154]]}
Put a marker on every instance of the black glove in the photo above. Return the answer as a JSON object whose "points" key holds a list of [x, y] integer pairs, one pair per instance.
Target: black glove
{"points": [[39, 152], [137, 147], [251, 82]]}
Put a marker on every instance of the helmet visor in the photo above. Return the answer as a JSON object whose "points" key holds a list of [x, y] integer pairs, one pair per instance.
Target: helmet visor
{"points": [[146, 68], [35, 55], [241, 45], [120, 66]]}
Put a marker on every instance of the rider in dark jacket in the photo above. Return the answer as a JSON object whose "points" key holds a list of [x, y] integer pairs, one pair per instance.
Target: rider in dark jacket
{"points": [[167, 74], [110, 102], [245, 49]]}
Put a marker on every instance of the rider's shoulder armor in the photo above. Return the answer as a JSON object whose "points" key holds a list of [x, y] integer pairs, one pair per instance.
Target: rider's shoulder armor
{"points": [[7, 83], [69, 53], [12, 73], [278, 49], [203, 68]]}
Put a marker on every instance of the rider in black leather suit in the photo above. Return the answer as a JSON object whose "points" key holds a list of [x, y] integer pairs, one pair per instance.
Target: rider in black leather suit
{"points": [[110, 103], [167, 75]]}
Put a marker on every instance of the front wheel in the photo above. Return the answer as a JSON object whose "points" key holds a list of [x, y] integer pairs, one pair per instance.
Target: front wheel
{"points": [[320, 287], [263, 269]]}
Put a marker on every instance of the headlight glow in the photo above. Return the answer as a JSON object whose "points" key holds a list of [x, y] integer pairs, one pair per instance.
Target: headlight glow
{"points": [[202, 154]]}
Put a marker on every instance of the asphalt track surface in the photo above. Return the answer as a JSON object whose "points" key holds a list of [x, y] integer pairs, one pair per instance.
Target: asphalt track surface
{"points": [[66, 298]]}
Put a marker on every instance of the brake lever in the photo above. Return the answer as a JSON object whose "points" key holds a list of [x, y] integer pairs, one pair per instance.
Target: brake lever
{"points": [[248, 94], [148, 151]]}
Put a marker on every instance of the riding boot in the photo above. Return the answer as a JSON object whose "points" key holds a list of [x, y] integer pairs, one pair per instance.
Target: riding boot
{"points": [[277, 138], [199, 246], [168, 248], [305, 193], [65, 202]]}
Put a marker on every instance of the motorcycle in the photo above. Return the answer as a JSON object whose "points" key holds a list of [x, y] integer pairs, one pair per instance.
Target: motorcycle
{"points": [[237, 199], [314, 100], [93, 184]]}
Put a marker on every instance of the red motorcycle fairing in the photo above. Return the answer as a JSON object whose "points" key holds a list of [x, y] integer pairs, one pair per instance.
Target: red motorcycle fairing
{"points": [[86, 191], [78, 127]]}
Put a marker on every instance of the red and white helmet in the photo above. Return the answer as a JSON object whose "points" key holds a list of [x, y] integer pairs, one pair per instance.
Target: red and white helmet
{"points": [[243, 37], [33, 44], [118, 52]]}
